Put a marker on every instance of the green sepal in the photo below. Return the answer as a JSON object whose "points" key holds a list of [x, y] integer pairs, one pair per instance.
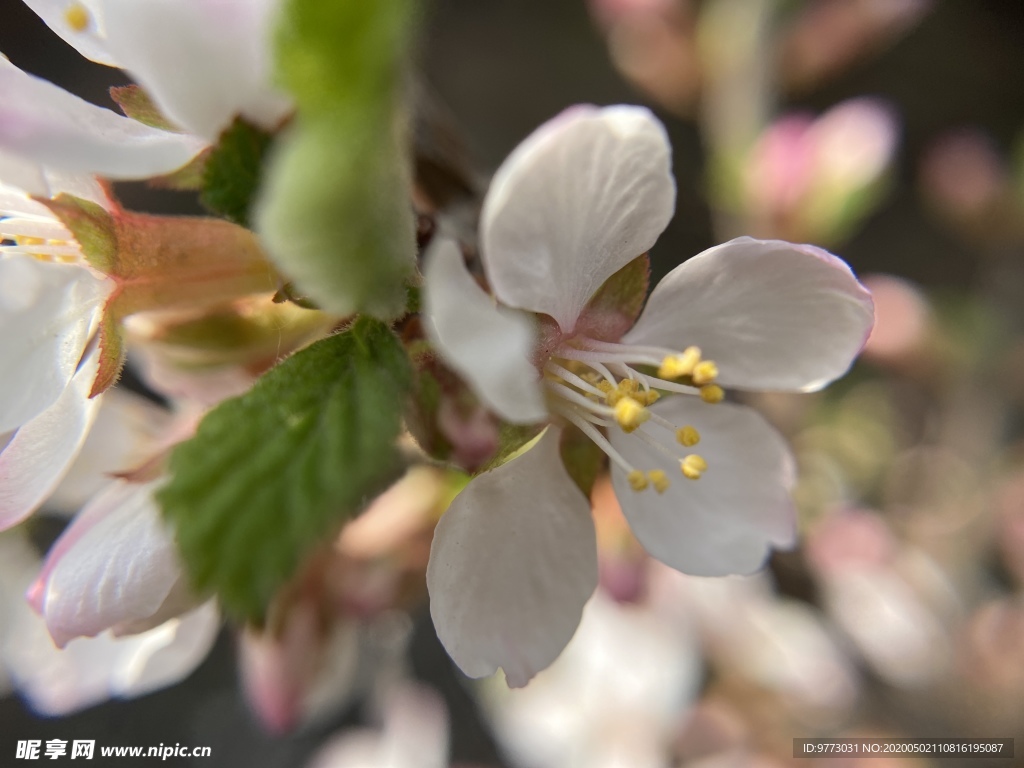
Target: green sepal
{"points": [[273, 473], [512, 438], [91, 225], [136, 104], [617, 304]]}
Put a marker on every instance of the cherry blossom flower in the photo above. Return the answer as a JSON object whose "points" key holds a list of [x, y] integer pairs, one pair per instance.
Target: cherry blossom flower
{"points": [[513, 560]]}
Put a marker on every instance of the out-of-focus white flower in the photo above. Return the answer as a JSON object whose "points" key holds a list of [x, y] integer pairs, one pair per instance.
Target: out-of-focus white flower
{"points": [[513, 561], [869, 593], [414, 735], [613, 698], [779, 644], [90, 670], [203, 62], [51, 302]]}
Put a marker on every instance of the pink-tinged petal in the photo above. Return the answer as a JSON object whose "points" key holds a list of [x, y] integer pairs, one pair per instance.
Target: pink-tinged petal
{"points": [[726, 521], [580, 198], [90, 42], [772, 315], [513, 562], [47, 313], [304, 670], [489, 346], [40, 453], [43, 123], [119, 571], [203, 62]]}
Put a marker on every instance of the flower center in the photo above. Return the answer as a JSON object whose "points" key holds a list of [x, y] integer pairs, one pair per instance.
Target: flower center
{"points": [[596, 385]]}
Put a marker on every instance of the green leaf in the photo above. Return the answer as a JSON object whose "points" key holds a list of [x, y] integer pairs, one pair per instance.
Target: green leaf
{"points": [[274, 472], [335, 210], [231, 173]]}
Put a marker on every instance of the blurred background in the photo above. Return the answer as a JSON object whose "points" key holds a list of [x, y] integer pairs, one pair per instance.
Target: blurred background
{"points": [[888, 131]]}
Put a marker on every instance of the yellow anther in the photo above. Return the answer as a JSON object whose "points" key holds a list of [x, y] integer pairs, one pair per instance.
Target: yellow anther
{"points": [[693, 466], [25, 240], [650, 397], [705, 373], [688, 436], [77, 16], [637, 480], [630, 414], [605, 386], [712, 393], [628, 386], [674, 366], [659, 480]]}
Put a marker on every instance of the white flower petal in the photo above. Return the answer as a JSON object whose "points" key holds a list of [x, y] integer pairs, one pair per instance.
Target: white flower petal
{"points": [[20, 172], [772, 315], [43, 123], [120, 570], [47, 312], [513, 562], [580, 198], [89, 42], [40, 453], [725, 522], [489, 346], [203, 62]]}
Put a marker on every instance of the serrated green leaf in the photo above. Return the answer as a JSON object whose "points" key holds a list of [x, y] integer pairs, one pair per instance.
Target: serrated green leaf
{"points": [[335, 210], [270, 474], [231, 172]]}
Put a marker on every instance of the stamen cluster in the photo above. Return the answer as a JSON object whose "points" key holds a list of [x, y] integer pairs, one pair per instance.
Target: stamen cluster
{"points": [[596, 385]]}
